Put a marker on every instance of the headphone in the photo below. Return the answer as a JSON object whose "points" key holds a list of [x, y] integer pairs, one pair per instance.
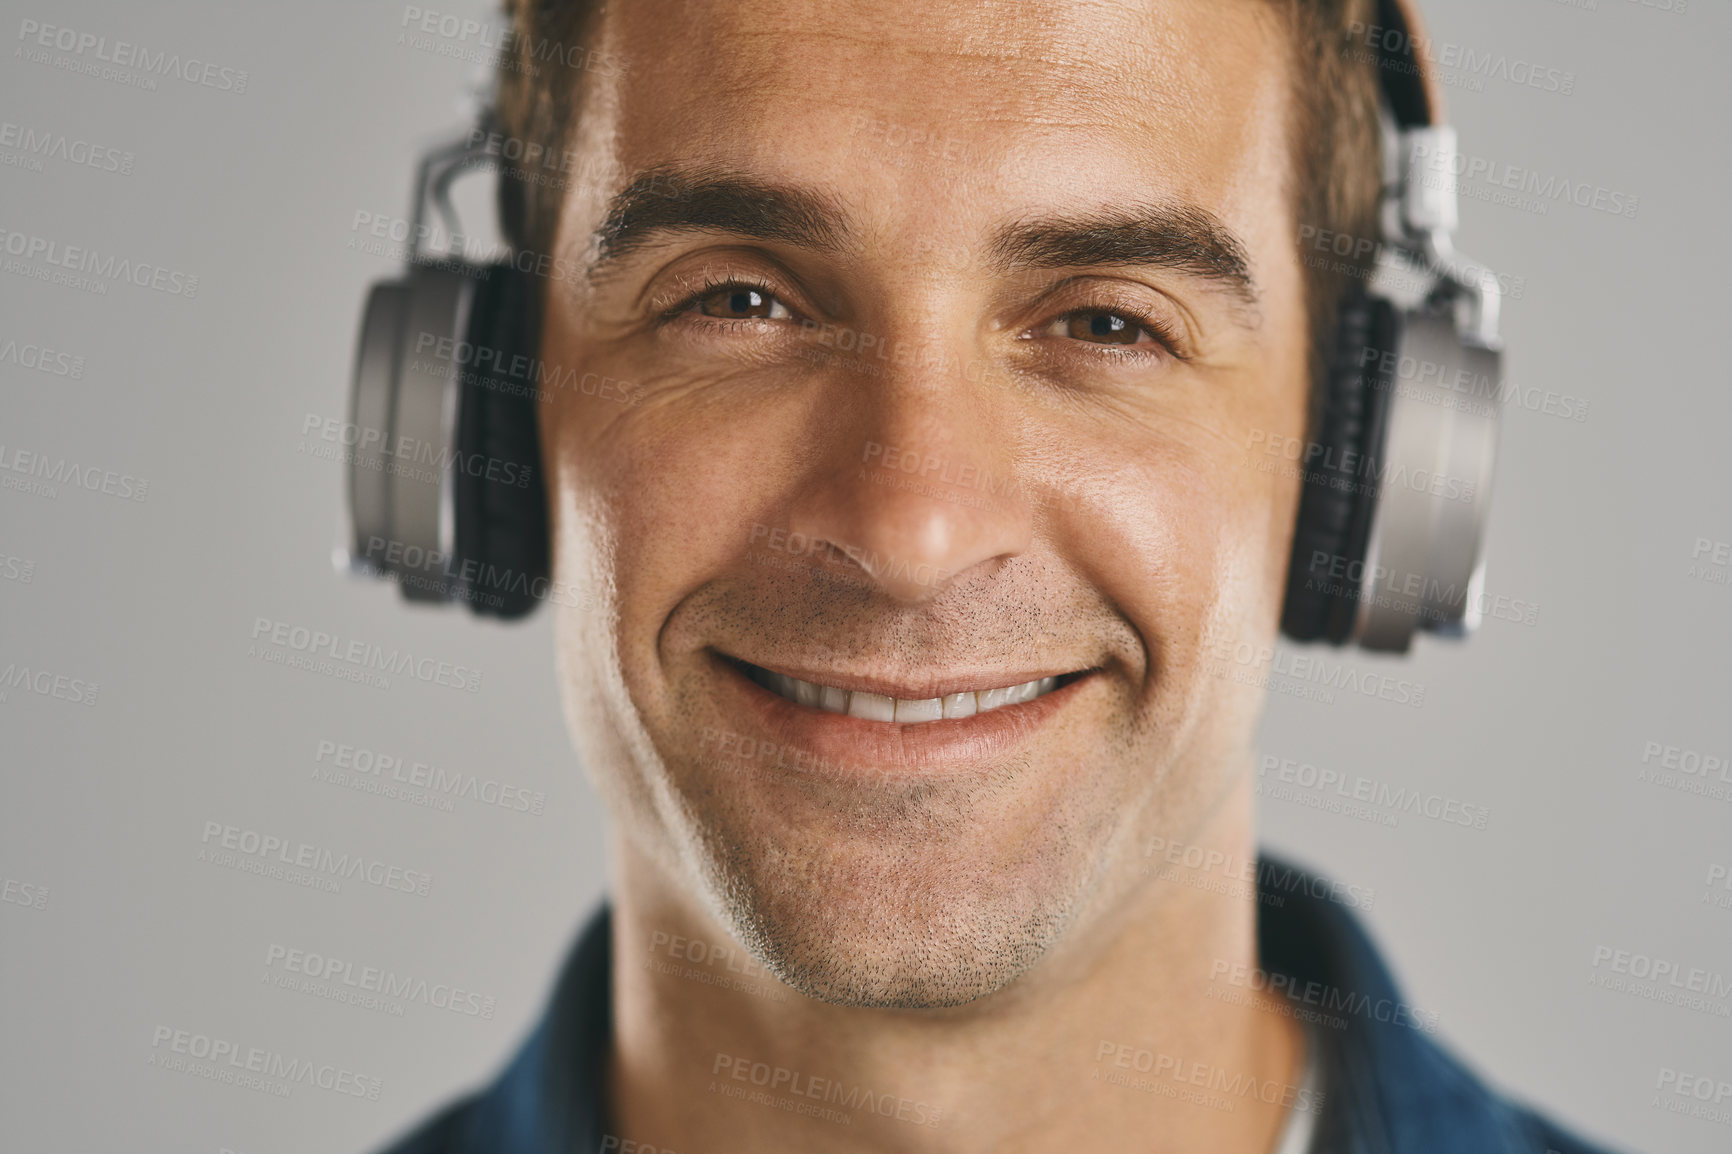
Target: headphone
{"points": [[446, 495]]}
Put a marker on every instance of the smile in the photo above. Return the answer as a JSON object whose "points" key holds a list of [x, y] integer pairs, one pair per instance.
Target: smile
{"points": [[878, 707]]}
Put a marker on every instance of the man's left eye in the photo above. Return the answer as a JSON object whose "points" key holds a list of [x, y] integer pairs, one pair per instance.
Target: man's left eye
{"points": [[738, 302], [1100, 327]]}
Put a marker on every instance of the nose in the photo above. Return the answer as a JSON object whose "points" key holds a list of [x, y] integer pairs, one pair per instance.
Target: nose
{"points": [[914, 482]]}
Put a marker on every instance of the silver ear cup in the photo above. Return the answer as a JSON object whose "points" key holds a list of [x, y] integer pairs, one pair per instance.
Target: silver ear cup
{"points": [[403, 413], [1423, 558], [370, 404]]}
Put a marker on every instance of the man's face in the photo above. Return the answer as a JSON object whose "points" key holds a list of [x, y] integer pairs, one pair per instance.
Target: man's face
{"points": [[948, 332]]}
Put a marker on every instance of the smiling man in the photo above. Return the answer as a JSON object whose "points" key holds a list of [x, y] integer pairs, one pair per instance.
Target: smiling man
{"points": [[900, 587]]}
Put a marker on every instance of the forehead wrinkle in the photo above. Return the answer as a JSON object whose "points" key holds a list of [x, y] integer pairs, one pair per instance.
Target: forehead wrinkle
{"points": [[744, 96], [1073, 25], [1046, 88], [1059, 58]]}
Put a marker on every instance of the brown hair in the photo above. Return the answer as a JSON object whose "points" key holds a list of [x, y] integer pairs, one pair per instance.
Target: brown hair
{"points": [[1337, 169]]}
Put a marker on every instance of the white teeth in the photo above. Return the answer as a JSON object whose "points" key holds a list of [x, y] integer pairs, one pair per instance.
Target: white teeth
{"points": [[928, 709], [876, 707], [960, 705], [1034, 689], [871, 706]]}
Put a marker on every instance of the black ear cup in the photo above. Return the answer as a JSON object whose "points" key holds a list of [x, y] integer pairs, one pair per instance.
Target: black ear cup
{"points": [[499, 494], [1341, 466]]}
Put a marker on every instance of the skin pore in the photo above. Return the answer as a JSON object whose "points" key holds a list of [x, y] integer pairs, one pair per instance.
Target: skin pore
{"points": [[1043, 251]]}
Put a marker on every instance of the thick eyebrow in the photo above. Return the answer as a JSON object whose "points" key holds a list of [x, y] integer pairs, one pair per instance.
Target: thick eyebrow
{"points": [[712, 200], [1183, 238]]}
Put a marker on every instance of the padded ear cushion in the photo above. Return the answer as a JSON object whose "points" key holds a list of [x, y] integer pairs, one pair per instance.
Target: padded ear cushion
{"points": [[499, 494], [1338, 496]]}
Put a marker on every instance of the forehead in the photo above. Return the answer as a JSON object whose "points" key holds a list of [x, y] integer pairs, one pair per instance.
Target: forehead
{"points": [[1022, 104]]}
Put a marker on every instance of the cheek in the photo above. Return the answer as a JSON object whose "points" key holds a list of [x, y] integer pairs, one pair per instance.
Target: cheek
{"points": [[666, 496], [1185, 535], [1193, 528]]}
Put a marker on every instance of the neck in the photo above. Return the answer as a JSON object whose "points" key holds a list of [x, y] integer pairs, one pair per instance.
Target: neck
{"points": [[1112, 1042]]}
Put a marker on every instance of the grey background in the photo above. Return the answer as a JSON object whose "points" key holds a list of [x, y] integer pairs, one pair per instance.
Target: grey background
{"points": [[155, 601]]}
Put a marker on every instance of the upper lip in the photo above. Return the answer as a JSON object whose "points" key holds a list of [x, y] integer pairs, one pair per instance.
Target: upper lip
{"points": [[912, 686]]}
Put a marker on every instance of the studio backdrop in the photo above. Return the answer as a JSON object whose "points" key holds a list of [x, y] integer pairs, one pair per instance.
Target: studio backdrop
{"points": [[1538, 822]]}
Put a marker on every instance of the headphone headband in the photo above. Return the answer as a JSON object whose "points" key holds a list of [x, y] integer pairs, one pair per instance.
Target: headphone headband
{"points": [[1409, 80]]}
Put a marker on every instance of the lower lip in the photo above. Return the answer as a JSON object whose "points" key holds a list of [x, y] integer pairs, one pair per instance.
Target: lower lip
{"points": [[843, 748]]}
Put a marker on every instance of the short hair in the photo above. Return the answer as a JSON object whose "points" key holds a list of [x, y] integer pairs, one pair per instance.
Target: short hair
{"points": [[1336, 164]]}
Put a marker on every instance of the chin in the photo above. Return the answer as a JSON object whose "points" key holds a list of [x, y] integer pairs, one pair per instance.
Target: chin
{"points": [[892, 922]]}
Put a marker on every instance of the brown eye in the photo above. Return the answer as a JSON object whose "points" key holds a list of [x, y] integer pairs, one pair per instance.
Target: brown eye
{"points": [[742, 303], [1102, 328]]}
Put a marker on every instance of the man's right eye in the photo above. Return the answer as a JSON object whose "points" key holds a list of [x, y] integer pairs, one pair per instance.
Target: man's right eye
{"points": [[739, 302]]}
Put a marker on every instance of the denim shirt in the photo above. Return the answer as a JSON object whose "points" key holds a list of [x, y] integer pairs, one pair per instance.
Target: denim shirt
{"points": [[1390, 1088]]}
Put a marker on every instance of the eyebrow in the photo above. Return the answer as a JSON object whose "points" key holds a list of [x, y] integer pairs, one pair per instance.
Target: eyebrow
{"points": [[1183, 238], [710, 200]]}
